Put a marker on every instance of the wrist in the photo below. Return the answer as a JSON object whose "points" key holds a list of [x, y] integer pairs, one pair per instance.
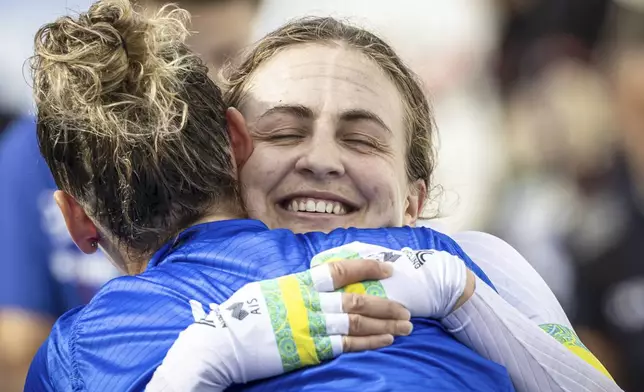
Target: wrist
{"points": [[199, 358]]}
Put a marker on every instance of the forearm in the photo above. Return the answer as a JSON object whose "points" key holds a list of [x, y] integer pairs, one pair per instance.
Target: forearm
{"points": [[198, 361], [217, 350], [535, 361]]}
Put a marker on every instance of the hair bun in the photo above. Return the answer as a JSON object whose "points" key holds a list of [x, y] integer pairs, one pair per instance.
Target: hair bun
{"points": [[108, 12], [112, 56]]}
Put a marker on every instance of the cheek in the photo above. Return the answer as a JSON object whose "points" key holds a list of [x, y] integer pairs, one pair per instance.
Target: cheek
{"points": [[260, 174], [379, 181]]}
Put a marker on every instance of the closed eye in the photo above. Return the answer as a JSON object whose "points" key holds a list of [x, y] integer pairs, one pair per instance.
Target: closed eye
{"points": [[360, 142], [363, 142], [286, 137], [281, 136]]}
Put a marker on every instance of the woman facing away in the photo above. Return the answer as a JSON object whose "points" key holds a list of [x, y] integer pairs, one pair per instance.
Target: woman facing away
{"points": [[134, 133]]}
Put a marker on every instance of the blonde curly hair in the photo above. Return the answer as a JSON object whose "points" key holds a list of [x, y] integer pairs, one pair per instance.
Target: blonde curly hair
{"points": [[129, 122]]}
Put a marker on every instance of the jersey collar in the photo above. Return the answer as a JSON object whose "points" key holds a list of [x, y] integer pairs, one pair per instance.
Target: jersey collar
{"points": [[221, 228]]}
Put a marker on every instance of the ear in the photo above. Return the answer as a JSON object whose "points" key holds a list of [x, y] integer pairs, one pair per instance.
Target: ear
{"points": [[415, 202], [81, 228], [240, 139]]}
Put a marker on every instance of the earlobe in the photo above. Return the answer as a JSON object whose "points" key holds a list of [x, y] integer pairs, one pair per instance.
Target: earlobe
{"points": [[415, 202], [240, 140], [81, 228]]}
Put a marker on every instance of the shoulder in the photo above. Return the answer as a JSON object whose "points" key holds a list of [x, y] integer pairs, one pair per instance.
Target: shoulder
{"points": [[495, 255], [163, 289], [51, 368], [390, 237], [122, 335], [485, 243], [514, 277]]}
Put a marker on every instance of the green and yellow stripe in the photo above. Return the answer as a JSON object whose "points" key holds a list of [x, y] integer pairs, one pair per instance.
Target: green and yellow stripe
{"points": [[298, 324], [571, 341]]}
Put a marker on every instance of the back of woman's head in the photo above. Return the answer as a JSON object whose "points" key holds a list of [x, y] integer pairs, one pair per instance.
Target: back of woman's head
{"points": [[326, 30], [129, 123]]}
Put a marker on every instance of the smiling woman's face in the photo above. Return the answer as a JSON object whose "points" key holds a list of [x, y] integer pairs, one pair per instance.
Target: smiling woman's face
{"points": [[329, 133]]}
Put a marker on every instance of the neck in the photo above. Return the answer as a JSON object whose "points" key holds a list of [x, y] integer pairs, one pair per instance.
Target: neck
{"points": [[136, 264], [221, 213], [130, 265], [136, 267]]}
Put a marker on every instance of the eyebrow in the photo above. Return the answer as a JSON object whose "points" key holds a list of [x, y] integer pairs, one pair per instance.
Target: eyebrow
{"points": [[305, 112], [360, 114], [294, 110]]}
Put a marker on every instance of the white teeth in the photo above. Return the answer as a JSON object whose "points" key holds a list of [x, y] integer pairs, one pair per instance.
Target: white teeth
{"points": [[320, 206], [317, 206]]}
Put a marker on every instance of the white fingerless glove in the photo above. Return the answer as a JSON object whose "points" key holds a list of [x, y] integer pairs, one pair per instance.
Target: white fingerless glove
{"points": [[265, 329], [427, 282]]}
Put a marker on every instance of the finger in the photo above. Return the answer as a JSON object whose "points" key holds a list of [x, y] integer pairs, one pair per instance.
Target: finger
{"points": [[366, 326], [331, 276], [363, 343], [337, 344], [372, 306], [366, 305], [337, 324], [331, 302]]}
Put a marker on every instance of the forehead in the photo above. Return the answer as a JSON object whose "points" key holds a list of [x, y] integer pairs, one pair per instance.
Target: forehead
{"points": [[328, 79]]}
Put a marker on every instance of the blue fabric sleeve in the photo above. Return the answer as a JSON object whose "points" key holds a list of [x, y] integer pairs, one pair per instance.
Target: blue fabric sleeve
{"points": [[52, 369], [38, 376]]}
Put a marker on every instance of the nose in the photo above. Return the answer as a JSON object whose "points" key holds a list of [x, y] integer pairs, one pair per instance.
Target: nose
{"points": [[321, 158]]}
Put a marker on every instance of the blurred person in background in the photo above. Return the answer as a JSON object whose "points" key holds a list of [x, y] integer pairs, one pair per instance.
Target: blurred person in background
{"points": [[579, 177], [558, 142], [536, 32], [43, 274], [222, 27], [610, 282]]}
